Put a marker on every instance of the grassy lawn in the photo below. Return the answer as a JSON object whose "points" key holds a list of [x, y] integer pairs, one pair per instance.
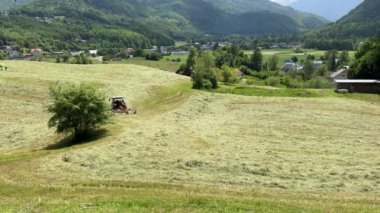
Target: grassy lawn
{"points": [[267, 91], [180, 43], [285, 54], [253, 149], [163, 64]]}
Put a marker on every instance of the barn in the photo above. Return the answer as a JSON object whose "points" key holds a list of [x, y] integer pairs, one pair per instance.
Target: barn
{"points": [[354, 85]]}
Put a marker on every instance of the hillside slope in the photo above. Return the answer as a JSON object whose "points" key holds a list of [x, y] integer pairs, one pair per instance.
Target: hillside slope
{"points": [[362, 22], [304, 160], [159, 22]]}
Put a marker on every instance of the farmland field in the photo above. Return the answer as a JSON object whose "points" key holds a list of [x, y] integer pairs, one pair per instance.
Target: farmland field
{"points": [[285, 54], [186, 151], [165, 63]]}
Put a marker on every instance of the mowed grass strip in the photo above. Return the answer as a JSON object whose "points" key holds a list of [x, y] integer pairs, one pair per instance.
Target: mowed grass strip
{"points": [[144, 197], [267, 91]]}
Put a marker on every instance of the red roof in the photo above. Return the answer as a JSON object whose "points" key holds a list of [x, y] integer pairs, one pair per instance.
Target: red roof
{"points": [[36, 50]]}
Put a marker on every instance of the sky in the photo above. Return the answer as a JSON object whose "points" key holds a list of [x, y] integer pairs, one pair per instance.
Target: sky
{"points": [[284, 2]]}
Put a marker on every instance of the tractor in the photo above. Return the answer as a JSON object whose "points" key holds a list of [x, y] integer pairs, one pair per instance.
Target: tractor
{"points": [[119, 106]]}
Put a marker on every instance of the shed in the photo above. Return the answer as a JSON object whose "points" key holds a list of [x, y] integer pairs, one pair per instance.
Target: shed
{"points": [[340, 74], [355, 85]]}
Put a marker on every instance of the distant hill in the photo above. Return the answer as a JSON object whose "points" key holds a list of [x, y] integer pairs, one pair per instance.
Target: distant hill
{"points": [[362, 22], [146, 22], [7, 4], [332, 10]]}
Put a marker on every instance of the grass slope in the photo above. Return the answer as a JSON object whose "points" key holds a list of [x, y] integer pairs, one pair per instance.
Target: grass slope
{"points": [[186, 151]]}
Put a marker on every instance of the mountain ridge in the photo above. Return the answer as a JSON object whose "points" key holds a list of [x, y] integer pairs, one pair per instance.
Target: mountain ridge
{"points": [[336, 9], [361, 22], [160, 22]]}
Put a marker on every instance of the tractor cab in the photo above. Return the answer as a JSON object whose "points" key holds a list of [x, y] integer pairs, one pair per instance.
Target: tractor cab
{"points": [[118, 105]]}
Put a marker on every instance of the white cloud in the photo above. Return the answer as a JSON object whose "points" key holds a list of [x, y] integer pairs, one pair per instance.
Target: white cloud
{"points": [[284, 2]]}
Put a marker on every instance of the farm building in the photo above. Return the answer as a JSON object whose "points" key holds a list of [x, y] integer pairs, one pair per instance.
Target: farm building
{"points": [[364, 86], [340, 74]]}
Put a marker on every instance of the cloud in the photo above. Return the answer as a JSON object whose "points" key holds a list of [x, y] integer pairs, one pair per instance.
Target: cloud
{"points": [[284, 2]]}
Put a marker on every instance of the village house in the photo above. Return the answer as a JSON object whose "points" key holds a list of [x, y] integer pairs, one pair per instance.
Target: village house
{"points": [[340, 74], [93, 52], [317, 64], [6, 48], [355, 85], [36, 51], [14, 54], [290, 65], [181, 53], [58, 53], [77, 53]]}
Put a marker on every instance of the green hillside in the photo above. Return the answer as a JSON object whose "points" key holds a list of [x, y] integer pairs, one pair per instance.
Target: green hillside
{"points": [[362, 22], [185, 150], [141, 23]]}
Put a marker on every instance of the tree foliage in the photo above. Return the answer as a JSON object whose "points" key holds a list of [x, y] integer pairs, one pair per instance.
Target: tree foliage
{"points": [[188, 68], [257, 60], [273, 62], [229, 75], [367, 61], [331, 57], [204, 76], [308, 70], [77, 108]]}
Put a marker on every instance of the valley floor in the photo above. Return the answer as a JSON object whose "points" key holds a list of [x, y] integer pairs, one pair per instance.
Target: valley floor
{"points": [[186, 150]]}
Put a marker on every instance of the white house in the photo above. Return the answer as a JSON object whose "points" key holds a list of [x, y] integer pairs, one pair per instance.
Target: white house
{"points": [[317, 64], [76, 53], [93, 52]]}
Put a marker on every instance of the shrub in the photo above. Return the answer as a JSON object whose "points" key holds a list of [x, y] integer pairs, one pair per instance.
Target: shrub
{"points": [[247, 71], [81, 59], [318, 83], [3, 67], [77, 108], [204, 73], [291, 83], [155, 56], [229, 75], [273, 81], [139, 53]]}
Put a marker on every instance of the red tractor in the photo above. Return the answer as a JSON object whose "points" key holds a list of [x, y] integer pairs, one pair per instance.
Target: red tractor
{"points": [[119, 106]]}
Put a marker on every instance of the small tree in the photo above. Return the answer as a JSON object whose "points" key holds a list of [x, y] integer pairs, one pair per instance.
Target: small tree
{"points": [[331, 60], [273, 62], [308, 70], [257, 60], [295, 59], [204, 76], [229, 75], [77, 108], [344, 58], [188, 68], [155, 56]]}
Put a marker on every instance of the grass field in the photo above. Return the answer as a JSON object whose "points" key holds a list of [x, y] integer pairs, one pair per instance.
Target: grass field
{"points": [[285, 54], [187, 151], [165, 63]]}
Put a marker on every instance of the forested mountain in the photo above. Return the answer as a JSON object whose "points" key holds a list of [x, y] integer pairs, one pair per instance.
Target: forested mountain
{"points": [[332, 10], [141, 23], [362, 22]]}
